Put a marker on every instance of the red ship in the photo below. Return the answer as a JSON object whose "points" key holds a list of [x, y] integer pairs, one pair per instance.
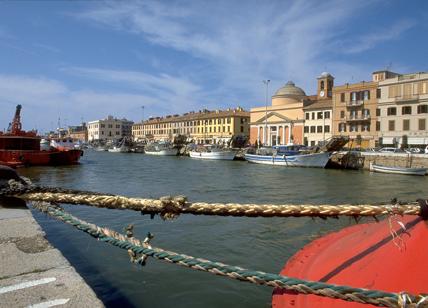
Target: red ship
{"points": [[21, 148]]}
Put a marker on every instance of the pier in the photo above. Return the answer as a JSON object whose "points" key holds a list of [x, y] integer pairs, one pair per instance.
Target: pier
{"points": [[32, 272]]}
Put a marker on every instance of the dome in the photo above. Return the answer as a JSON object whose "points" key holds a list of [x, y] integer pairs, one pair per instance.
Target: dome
{"points": [[325, 74], [290, 90]]}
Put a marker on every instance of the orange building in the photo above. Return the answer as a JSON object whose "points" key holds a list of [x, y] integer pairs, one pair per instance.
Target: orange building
{"points": [[282, 122]]}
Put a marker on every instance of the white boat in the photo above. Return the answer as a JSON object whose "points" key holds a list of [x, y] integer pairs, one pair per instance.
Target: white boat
{"points": [[398, 170], [45, 145], [120, 148], [318, 160], [212, 152], [160, 149]]}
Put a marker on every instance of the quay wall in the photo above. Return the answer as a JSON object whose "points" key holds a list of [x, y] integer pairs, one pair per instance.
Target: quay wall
{"points": [[388, 159]]}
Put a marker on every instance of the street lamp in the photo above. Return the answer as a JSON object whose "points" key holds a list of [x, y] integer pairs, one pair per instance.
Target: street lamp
{"points": [[266, 82]]}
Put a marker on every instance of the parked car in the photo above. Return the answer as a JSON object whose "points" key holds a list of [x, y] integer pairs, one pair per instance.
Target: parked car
{"points": [[412, 150], [390, 150]]}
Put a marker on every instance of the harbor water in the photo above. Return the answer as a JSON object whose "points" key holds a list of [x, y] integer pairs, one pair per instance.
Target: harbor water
{"points": [[255, 243]]}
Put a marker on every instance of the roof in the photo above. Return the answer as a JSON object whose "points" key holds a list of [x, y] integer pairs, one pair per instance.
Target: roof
{"points": [[320, 104], [205, 114]]}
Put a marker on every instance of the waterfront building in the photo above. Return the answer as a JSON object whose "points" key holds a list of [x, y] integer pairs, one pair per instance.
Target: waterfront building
{"points": [[354, 113], [109, 129], [318, 114], [282, 121], [200, 127], [402, 108], [78, 132]]}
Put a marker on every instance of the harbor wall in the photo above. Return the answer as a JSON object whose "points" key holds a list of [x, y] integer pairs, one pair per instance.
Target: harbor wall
{"points": [[386, 159]]}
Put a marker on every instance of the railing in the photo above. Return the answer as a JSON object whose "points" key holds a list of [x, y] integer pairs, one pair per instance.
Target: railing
{"points": [[354, 103], [363, 117], [406, 98]]}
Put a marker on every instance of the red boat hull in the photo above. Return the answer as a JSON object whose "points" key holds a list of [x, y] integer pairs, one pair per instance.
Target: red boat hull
{"points": [[39, 158], [362, 256]]}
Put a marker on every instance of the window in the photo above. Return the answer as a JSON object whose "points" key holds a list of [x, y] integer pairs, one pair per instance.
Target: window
{"points": [[342, 114], [378, 93], [242, 129], [312, 143], [215, 128], [313, 115], [312, 129], [353, 96], [353, 128], [377, 126], [322, 85], [392, 111], [342, 127], [307, 115], [326, 128], [422, 123], [423, 109], [228, 129], [210, 129], [377, 112], [366, 113], [366, 95], [306, 129], [327, 115], [406, 110], [342, 97], [365, 128], [228, 120], [319, 129], [406, 124], [391, 125], [319, 115]]}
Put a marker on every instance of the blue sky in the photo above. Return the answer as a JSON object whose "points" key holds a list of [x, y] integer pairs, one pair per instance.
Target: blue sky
{"points": [[88, 59]]}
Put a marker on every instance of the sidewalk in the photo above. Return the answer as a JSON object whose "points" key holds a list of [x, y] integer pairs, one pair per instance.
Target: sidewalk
{"points": [[32, 272]]}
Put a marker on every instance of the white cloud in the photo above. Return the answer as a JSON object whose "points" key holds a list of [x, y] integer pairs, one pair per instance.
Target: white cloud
{"points": [[244, 42], [371, 40]]}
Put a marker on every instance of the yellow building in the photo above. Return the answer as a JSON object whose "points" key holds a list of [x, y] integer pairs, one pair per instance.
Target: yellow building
{"points": [[202, 127]]}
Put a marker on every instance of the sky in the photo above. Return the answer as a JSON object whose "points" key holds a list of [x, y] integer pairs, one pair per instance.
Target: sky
{"points": [[73, 61]]}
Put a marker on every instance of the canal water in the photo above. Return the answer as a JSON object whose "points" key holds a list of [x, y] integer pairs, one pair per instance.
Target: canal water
{"points": [[254, 243]]}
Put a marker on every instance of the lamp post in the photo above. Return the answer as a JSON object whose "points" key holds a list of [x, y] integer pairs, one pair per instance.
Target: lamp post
{"points": [[266, 82]]}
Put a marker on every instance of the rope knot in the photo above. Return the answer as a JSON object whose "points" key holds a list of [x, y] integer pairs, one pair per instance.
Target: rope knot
{"points": [[172, 206]]}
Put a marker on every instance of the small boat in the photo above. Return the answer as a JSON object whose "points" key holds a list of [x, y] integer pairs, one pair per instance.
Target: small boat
{"points": [[289, 156], [120, 148], [212, 152], [23, 148], [398, 170], [161, 149]]}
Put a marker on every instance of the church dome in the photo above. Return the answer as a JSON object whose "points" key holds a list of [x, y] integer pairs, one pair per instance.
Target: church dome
{"points": [[290, 90]]}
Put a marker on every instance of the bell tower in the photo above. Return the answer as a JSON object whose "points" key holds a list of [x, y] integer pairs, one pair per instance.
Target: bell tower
{"points": [[325, 86]]}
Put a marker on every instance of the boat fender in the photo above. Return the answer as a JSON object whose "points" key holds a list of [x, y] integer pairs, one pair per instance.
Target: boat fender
{"points": [[424, 208]]}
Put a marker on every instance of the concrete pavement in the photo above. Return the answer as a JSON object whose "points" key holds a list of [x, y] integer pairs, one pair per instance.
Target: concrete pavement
{"points": [[32, 272]]}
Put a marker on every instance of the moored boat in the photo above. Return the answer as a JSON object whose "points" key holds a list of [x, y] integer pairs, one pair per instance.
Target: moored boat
{"points": [[212, 152], [120, 148], [21, 148], [161, 149], [398, 170], [289, 156]]}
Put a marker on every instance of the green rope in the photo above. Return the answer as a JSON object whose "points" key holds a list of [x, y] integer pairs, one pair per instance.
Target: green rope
{"points": [[375, 297]]}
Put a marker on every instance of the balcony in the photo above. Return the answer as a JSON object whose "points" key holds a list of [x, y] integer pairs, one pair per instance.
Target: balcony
{"points": [[356, 118], [354, 103], [406, 98]]}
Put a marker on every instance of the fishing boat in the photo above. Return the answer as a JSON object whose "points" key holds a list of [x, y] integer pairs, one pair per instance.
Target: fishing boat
{"points": [[22, 148], [161, 149], [212, 152], [289, 156], [383, 255], [120, 148], [398, 170], [64, 144]]}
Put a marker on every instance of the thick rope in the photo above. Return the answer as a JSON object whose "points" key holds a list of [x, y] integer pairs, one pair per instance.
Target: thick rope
{"points": [[137, 247], [170, 207]]}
